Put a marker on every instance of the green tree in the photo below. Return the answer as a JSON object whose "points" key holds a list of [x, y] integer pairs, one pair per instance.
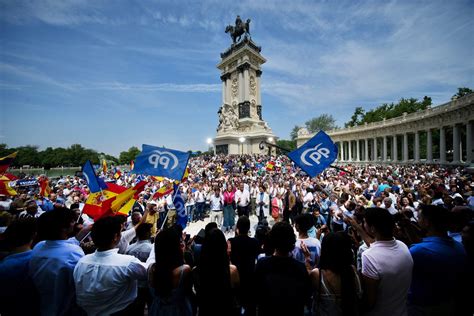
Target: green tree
{"points": [[356, 117], [286, 144], [323, 122], [126, 156], [462, 92], [294, 132]]}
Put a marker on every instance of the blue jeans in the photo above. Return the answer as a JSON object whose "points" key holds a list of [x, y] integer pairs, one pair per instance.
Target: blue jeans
{"points": [[199, 212], [190, 212]]}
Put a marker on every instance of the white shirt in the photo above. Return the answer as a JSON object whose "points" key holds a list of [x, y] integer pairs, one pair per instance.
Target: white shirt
{"points": [[127, 237], [389, 262], [308, 198], [216, 202], [243, 196], [106, 282]]}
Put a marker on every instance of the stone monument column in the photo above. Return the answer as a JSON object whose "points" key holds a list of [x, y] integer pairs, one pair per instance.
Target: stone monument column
{"points": [[241, 126]]}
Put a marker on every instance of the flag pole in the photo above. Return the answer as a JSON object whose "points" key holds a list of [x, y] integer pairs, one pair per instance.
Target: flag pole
{"points": [[175, 192], [287, 151]]}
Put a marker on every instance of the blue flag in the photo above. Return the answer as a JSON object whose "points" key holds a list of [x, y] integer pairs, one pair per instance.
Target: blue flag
{"points": [[95, 184], [160, 161], [315, 155], [182, 218]]}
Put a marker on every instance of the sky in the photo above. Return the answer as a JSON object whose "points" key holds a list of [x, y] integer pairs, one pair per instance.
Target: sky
{"points": [[114, 74]]}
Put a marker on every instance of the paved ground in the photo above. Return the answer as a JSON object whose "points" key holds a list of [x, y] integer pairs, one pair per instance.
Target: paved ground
{"points": [[194, 228]]}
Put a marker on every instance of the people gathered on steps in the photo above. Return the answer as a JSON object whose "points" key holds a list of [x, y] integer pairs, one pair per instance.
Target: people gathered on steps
{"points": [[369, 240]]}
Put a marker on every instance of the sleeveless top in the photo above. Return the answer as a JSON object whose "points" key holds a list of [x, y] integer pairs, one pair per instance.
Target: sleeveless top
{"points": [[177, 303], [326, 303]]}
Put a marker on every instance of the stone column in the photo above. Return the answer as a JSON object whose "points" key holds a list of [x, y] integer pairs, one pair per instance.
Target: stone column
{"points": [[469, 142], [241, 87], [342, 150], [366, 150], [429, 146], [417, 147], [384, 149], [358, 150], [349, 147], [394, 148], [258, 74], [442, 145], [224, 90], [375, 150], [456, 147], [246, 85], [405, 147]]}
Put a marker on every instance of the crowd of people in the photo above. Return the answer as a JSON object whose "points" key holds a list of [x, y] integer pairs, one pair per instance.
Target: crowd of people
{"points": [[360, 240]]}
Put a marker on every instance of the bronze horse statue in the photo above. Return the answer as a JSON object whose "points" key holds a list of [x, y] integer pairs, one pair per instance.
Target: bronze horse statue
{"points": [[237, 31]]}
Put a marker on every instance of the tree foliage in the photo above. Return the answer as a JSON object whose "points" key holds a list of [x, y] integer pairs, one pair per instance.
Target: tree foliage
{"points": [[294, 132], [388, 111], [126, 156], [286, 144], [462, 92], [323, 122], [75, 155]]}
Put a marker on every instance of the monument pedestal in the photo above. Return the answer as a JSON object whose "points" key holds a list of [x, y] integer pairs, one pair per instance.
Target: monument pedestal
{"points": [[241, 126]]}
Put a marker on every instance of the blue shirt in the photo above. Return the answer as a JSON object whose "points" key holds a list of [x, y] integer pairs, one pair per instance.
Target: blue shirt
{"points": [[16, 286], [439, 263], [51, 268]]}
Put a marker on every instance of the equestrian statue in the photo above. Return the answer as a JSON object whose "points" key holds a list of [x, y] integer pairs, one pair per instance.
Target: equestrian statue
{"points": [[239, 29]]}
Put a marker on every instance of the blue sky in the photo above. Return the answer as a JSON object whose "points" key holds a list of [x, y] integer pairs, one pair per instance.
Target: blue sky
{"points": [[114, 74]]}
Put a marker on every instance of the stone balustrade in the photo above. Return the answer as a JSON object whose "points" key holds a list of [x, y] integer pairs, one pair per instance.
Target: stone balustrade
{"points": [[398, 140]]}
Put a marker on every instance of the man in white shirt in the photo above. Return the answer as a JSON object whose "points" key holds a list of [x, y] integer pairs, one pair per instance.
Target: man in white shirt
{"points": [[387, 204], [386, 266], [217, 202], [106, 282], [242, 198]]}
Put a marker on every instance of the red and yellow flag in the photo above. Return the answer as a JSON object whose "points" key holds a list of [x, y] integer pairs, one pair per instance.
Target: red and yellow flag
{"points": [[118, 174], [6, 161], [270, 166], [45, 190], [164, 190], [132, 165], [5, 187], [104, 166], [98, 203]]}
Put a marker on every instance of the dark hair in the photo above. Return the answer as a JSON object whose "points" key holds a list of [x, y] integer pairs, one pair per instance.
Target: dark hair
{"points": [[209, 226], [282, 237], [144, 231], [169, 256], [437, 216], [51, 225], [337, 256], [21, 232], [214, 272], [104, 230], [381, 220], [243, 225], [304, 222]]}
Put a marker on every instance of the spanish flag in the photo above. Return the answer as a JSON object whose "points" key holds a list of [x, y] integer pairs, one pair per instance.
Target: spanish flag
{"points": [[127, 198], [104, 166], [98, 203], [186, 175], [117, 174], [6, 161], [270, 166], [5, 187], [164, 190], [45, 190]]}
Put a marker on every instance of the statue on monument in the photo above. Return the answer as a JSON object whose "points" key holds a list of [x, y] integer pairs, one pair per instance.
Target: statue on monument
{"points": [[239, 29], [228, 119]]}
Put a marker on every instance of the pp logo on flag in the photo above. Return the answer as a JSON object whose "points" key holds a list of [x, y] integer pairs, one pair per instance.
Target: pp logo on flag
{"points": [[164, 159], [314, 155]]}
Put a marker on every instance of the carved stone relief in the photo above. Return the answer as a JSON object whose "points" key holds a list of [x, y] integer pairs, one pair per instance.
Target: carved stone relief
{"points": [[253, 86]]}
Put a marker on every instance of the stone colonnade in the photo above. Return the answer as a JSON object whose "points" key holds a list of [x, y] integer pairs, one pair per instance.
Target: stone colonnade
{"points": [[446, 131]]}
